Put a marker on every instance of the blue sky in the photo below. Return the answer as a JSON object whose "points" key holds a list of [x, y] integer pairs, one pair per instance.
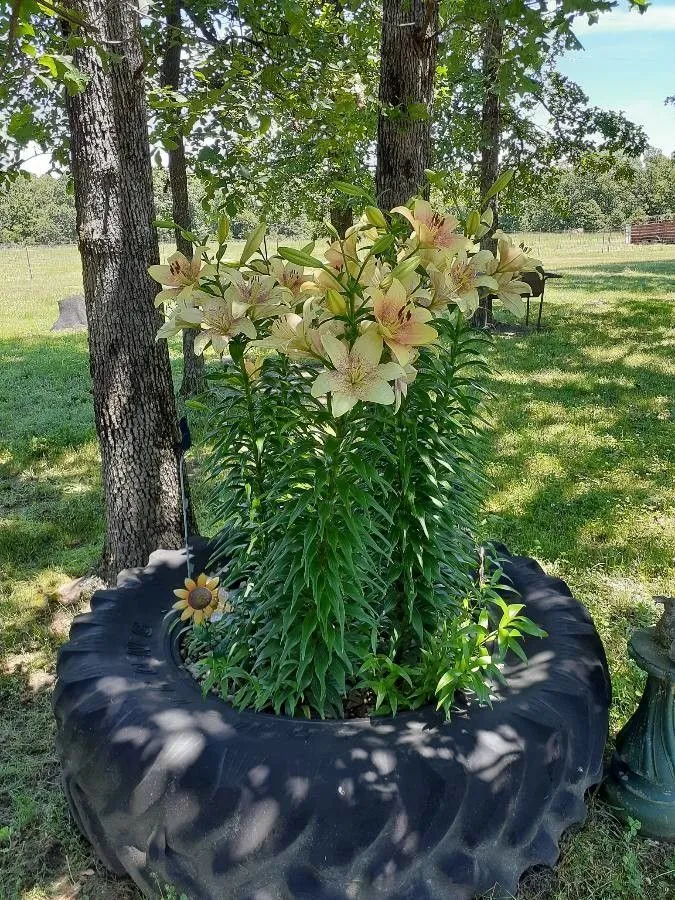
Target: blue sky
{"points": [[628, 63]]}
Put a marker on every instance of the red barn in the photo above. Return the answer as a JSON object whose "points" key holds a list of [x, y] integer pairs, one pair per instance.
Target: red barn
{"points": [[655, 232]]}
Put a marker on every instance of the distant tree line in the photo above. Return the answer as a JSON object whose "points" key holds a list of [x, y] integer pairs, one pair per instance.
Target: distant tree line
{"points": [[599, 194], [37, 211], [41, 210]]}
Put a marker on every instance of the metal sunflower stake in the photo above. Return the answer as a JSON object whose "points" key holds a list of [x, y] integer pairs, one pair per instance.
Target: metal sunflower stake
{"points": [[185, 444]]}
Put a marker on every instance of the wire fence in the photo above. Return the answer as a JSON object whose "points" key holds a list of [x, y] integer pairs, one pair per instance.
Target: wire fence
{"points": [[30, 262], [573, 243]]}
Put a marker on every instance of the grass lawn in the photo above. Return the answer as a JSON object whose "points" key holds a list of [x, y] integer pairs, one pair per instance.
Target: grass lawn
{"points": [[584, 475]]}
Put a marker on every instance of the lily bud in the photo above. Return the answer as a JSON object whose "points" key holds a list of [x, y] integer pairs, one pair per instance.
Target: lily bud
{"points": [[223, 228], [375, 216], [473, 223], [406, 266], [336, 302]]}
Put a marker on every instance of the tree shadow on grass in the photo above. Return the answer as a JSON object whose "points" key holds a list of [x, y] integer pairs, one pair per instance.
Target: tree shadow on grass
{"points": [[657, 268], [628, 275], [45, 397], [586, 430], [48, 454], [52, 516], [51, 512], [596, 281]]}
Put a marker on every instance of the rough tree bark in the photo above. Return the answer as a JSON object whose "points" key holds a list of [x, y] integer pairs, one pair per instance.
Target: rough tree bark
{"points": [[341, 218], [134, 404], [407, 71], [490, 137], [193, 366]]}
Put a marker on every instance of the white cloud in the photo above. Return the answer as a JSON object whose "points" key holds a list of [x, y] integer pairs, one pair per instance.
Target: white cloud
{"points": [[654, 19]]}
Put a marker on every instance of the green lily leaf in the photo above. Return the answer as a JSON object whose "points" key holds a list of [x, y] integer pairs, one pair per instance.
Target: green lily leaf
{"points": [[298, 258]]}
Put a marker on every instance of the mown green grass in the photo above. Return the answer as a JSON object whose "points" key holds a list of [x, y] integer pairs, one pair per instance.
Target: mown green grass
{"points": [[583, 466], [583, 472]]}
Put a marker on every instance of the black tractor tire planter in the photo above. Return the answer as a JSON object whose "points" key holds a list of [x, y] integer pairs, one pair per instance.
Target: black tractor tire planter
{"points": [[171, 788]]}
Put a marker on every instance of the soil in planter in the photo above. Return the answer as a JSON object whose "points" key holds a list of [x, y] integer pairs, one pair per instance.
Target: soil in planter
{"points": [[360, 703]]}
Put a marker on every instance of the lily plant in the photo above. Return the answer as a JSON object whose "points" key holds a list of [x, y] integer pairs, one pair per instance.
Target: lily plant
{"points": [[346, 446]]}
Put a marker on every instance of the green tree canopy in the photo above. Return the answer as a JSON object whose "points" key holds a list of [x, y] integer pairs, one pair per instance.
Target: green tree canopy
{"points": [[600, 192], [37, 211]]}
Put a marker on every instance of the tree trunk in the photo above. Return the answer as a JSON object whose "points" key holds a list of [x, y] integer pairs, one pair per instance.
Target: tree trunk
{"points": [[193, 366], [134, 405], [407, 73], [490, 138], [341, 218]]}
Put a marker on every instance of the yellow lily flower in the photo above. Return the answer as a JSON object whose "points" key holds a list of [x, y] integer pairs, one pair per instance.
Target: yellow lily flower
{"points": [[180, 277], [260, 293], [358, 373], [253, 367], [287, 275], [401, 324], [198, 600], [324, 280], [510, 262], [382, 279], [466, 275], [433, 230], [510, 291], [401, 384], [224, 319], [282, 332], [343, 256], [183, 316], [294, 335], [441, 293], [512, 258]]}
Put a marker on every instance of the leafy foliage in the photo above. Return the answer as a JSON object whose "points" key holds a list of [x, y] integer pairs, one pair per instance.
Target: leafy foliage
{"points": [[600, 193], [529, 87], [37, 211], [37, 67], [41, 210], [279, 99], [353, 571]]}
